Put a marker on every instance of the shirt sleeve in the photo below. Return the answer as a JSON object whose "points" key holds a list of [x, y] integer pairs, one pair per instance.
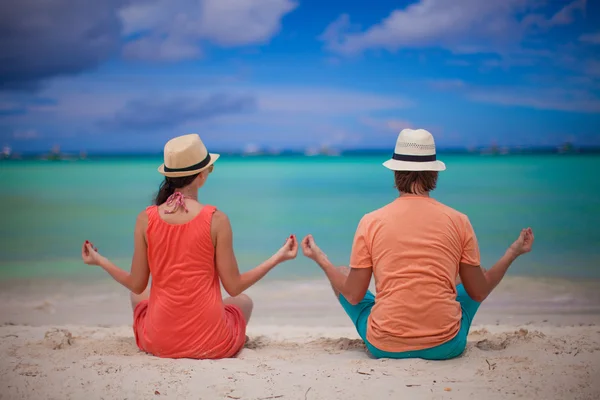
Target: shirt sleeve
{"points": [[470, 252], [361, 247]]}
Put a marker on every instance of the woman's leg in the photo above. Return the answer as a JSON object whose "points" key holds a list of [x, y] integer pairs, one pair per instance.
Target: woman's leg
{"points": [[244, 302], [137, 298]]}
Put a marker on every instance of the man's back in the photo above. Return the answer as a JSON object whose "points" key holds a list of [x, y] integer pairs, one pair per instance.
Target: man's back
{"points": [[415, 245]]}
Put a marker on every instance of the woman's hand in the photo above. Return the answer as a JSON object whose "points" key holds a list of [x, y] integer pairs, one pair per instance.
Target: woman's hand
{"points": [[311, 250], [90, 254], [288, 251], [523, 243]]}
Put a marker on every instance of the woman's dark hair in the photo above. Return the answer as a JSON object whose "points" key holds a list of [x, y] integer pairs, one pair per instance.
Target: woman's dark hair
{"points": [[168, 186], [422, 181]]}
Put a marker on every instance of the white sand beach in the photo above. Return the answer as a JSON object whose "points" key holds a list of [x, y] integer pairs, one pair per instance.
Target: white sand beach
{"points": [[534, 339]]}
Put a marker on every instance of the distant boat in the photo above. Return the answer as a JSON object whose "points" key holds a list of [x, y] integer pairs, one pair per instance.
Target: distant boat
{"points": [[252, 150], [322, 151], [493, 150], [54, 155], [311, 151], [6, 152], [566, 148]]}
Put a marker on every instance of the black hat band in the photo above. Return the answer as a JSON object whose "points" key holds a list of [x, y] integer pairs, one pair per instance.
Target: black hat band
{"points": [[406, 157], [194, 167]]}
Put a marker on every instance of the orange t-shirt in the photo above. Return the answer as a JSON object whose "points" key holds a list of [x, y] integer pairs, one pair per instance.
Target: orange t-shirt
{"points": [[414, 245]]}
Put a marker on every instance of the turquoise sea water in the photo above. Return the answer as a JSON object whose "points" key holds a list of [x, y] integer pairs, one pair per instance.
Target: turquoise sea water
{"points": [[49, 208]]}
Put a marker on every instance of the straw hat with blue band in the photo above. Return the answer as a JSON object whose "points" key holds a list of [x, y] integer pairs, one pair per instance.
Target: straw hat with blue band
{"points": [[415, 151], [186, 155]]}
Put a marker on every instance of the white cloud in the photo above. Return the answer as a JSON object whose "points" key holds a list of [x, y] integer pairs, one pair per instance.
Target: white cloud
{"points": [[325, 101], [242, 22], [541, 93], [387, 125], [570, 100], [28, 134], [156, 48], [168, 33], [592, 68], [458, 63], [8, 106], [447, 84], [463, 26], [566, 15], [430, 23], [89, 99], [592, 38]]}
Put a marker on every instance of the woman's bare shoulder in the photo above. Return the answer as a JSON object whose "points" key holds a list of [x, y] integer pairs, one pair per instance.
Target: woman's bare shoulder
{"points": [[142, 217], [220, 219]]}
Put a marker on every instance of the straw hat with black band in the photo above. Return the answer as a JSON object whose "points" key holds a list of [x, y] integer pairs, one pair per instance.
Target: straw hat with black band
{"points": [[415, 151], [186, 155]]}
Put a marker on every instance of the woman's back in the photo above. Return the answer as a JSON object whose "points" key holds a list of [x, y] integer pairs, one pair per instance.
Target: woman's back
{"points": [[187, 250], [186, 316]]}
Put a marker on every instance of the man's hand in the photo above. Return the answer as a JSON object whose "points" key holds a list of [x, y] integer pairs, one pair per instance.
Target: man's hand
{"points": [[311, 250], [523, 244]]}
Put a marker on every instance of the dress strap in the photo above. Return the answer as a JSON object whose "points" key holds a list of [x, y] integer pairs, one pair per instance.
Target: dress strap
{"points": [[208, 211], [152, 212]]}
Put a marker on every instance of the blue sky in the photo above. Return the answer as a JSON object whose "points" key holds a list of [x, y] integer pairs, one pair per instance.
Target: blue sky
{"points": [[126, 75]]}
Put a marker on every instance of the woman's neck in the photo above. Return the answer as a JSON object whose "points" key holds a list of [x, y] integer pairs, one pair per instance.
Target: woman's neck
{"points": [[189, 193]]}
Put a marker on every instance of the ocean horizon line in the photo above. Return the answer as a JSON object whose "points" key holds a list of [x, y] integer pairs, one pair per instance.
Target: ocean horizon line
{"points": [[475, 151]]}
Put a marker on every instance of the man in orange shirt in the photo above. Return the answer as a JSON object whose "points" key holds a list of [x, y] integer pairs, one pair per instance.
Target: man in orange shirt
{"points": [[416, 247]]}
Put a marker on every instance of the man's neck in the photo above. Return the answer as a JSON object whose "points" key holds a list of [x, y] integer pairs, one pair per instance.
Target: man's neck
{"points": [[423, 194]]}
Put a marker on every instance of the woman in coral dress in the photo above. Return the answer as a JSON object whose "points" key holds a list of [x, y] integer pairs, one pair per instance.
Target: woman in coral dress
{"points": [[187, 248]]}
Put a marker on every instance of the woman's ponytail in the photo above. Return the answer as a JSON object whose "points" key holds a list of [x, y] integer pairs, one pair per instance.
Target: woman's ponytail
{"points": [[169, 185], [164, 192]]}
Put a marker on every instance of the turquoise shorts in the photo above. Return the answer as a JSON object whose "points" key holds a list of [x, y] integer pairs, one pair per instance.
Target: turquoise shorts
{"points": [[359, 314]]}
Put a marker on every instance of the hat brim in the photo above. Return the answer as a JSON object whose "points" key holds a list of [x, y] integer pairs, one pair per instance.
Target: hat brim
{"points": [[213, 158], [397, 165]]}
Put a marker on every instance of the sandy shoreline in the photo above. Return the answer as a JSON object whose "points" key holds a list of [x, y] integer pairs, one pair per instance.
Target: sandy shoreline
{"points": [[532, 339]]}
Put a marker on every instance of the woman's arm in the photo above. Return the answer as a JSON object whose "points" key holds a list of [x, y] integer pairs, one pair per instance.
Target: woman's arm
{"points": [[226, 263], [136, 280]]}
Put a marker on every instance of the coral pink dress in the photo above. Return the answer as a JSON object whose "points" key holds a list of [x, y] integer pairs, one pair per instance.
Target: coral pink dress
{"points": [[185, 316]]}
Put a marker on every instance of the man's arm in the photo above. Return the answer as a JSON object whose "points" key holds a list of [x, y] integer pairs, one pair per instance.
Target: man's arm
{"points": [[479, 284], [353, 285]]}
